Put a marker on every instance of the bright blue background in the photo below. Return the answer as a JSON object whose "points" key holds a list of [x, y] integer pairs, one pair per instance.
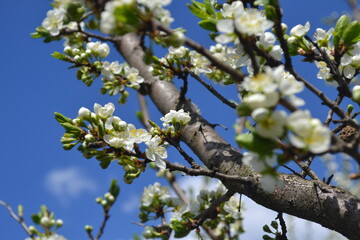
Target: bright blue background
{"points": [[34, 86]]}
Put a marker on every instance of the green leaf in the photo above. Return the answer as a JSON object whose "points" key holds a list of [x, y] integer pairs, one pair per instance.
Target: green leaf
{"points": [[351, 34], [266, 237], [36, 218], [198, 12], [340, 26], [274, 224], [267, 229], [69, 146], [243, 110], [70, 128], [61, 56], [208, 25], [75, 12], [209, 7], [105, 160], [255, 143], [180, 229], [114, 188], [61, 118], [270, 13]]}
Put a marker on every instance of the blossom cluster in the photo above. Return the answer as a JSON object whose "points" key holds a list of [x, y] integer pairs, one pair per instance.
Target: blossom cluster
{"points": [[136, 11], [157, 200], [349, 62], [238, 19], [115, 76], [101, 129], [59, 18], [48, 223]]}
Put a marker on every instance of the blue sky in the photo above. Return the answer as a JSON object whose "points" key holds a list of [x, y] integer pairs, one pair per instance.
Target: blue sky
{"points": [[35, 170]]}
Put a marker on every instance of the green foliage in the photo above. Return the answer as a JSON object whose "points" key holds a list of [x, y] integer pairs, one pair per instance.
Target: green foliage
{"points": [[207, 13], [340, 27], [351, 33], [255, 143], [41, 32], [180, 228], [61, 56], [75, 12]]}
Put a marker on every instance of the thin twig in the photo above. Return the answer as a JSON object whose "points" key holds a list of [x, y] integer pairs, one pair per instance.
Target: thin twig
{"points": [[283, 226], [280, 35], [144, 111], [17, 218], [103, 224], [205, 172], [248, 48], [213, 91], [211, 210], [186, 156], [237, 75], [343, 86]]}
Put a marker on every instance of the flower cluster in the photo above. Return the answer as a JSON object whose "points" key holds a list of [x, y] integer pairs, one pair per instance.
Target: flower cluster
{"points": [[156, 201], [46, 220], [114, 19], [61, 17], [265, 89], [341, 39], [238, 19], [115, 77], [108, 137]]}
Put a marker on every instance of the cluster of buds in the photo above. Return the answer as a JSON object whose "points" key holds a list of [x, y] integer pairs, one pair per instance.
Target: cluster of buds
{"points": [[104, 136]]}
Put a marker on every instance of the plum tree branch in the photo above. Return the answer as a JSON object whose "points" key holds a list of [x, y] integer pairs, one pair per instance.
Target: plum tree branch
{"points": [[330, 206]]}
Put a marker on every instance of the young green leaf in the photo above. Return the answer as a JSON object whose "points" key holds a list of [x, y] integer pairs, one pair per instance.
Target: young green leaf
{"points": [[255, 143], [351, 34], [340, 26]]}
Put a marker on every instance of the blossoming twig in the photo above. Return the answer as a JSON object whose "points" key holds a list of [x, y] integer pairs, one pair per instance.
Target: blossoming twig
{"points": [[19, 219], [236, 74], [343, 85], [212, 208]]}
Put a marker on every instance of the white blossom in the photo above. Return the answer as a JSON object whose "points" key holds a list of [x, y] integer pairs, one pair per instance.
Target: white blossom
{"points": [[232, 207], [350, 61], [105, 111], [152, 4], [308, 133], [110, 69], [258, 100], [177, 116], [269, 182], [324, 71], [54, 21], [252, 22], [132, 75], [232, 10], [178, 52], [156, 152], [300, 30], [155, 191], [257, 162], [98, 48], [269, 124]]}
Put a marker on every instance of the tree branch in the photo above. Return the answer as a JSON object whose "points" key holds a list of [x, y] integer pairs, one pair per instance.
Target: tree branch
{"points": [[329, 206], [17, 218]]}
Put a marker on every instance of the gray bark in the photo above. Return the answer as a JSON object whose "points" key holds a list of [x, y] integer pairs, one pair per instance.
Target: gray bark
{"points": [[330, 206]]}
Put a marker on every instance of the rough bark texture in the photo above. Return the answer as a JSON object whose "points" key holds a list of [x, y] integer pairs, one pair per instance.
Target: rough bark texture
{"points": [[327, 205]]}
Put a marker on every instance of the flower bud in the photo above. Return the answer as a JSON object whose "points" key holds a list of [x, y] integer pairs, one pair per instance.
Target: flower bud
{"points": [[88, 228], [356, 94], [59, 223], [84, 113], [103, 50]]}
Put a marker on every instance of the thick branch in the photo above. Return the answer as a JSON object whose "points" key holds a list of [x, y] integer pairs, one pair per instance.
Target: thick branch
{"points": [[329, 206]]}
